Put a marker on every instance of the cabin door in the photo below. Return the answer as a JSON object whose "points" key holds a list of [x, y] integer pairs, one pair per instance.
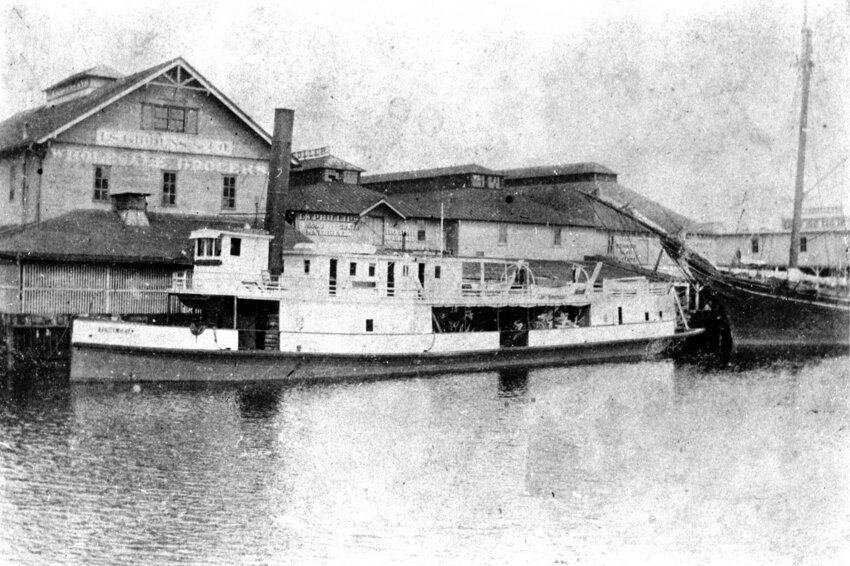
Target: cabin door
{"points": [[391, 279], [332, 278], [254, 320]]}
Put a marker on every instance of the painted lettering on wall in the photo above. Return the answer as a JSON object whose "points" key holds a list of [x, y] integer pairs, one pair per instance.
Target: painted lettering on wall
{"points": [[158, 161], [163, 141], [319, 224]]}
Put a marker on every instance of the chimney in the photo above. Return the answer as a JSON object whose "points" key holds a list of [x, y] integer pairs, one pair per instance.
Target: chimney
{"points": [[131, 207], [278, 188]]}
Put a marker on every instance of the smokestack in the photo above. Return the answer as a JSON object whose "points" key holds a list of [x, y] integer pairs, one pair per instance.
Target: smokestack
{"points": [[278, 184]]}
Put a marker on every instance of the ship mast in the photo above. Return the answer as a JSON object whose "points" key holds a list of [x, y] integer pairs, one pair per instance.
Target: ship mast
{"points": [[801, 145]]}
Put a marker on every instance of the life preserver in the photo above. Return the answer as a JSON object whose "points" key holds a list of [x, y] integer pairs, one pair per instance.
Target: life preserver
{"points": [[197, 329]]}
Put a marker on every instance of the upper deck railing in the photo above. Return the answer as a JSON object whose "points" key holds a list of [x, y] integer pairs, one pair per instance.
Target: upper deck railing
{"points": [[468, 292]]}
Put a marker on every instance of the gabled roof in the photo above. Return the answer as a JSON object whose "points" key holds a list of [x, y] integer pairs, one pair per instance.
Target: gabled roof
{"points": [[326, 162], [100, 235], [556, 170], [37, 125], [335, 198], [428, 173]]}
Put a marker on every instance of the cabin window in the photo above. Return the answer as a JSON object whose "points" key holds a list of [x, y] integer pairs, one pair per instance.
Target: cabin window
{"points": [[101, 182], [352, 269], [169, 188], [228, 192], [556, 236], [754, 245], [235, 246], [371, 270], [208, 247], [478, 181], [370, 325], [306, 266], [503, 234], [169, 118], [804, 244], [646, 316], [420, 231], [436, 272]]}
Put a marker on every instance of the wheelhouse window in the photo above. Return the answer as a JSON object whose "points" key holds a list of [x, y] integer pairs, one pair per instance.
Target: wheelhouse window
{"points": [[503, 234], [235, 246], [228, 192], [556, 236], [166, 118], [804, 244], [420, 231], [352, 269], [437, 272], [169, 188], [101, 183], [371, 270], [306, 266], [754, 245], [370, 325], [208, 247]]}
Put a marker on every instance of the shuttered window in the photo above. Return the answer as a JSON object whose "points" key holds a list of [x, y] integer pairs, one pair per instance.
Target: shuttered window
{"points": [[169, 118]]}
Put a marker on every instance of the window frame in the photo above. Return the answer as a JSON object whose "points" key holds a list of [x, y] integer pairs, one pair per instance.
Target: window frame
{"points": [[754, 245], [557, 236], [101, 193], [171, 118], [169, 188], [235, 246], [804, 244], [228, 183], [503, 234]]}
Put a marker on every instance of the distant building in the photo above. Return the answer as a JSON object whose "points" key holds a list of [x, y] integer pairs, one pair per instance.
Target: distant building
{"points": [[319, 166], [457, 177]]}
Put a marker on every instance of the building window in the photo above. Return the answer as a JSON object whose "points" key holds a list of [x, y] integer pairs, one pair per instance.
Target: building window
{"points": [[208, 247], [235, 246], [169, 118], [228, 192], [370, 325], [478, 181], [13, 174], [556, 236], [169, 188], [503, 234], [306, 266], [754, 245], [101, 182], [352, 269], [804, 243], [420, 231], [436, 272], [371, 270]]}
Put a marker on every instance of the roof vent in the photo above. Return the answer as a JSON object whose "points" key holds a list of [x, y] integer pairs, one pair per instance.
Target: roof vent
{"points": [[132, 208], [81, 84]]}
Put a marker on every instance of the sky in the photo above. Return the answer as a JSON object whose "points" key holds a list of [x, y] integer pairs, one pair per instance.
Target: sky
{"points": [[694, 104]]}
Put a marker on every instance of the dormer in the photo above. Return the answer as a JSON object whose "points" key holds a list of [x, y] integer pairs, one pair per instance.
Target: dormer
{"points": [[81, 84]]}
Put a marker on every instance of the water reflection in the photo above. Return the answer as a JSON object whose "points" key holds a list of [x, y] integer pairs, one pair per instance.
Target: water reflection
{"points": [[611, 463], [513, 382]]}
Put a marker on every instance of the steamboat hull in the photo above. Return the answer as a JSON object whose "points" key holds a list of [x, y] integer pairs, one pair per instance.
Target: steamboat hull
{"points": [[103, 363]]}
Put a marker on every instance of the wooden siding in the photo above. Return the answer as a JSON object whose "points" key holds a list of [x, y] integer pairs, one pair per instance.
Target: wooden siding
{"points": [[79, 288]]}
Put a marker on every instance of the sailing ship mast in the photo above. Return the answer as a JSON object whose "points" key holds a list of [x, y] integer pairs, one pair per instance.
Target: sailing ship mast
{"points": [[801, 145]]}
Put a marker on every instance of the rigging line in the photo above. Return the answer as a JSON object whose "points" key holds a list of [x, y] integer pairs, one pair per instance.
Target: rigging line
{"points": [[831, 171]]}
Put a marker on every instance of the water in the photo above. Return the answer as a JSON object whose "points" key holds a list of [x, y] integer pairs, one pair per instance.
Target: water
{"points": [[650, 463]]}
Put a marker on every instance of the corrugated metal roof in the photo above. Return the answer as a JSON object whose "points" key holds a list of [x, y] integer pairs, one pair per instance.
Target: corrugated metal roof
{"points": [[327, 162], [36, 125], [428, 173], [555, 170], [98, 235]]}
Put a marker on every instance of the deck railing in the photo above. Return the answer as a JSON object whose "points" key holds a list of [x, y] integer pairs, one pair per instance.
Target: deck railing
{"points": [[468, 292]]}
